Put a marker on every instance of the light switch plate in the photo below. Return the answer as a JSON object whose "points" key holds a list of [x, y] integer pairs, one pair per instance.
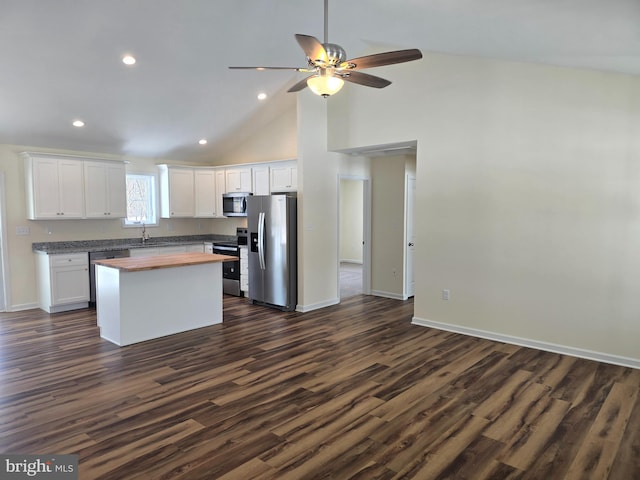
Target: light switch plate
{"points": [[23, 231]]}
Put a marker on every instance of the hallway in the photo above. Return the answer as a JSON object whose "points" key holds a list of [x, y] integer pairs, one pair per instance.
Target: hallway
{"points": [[350, 279]]}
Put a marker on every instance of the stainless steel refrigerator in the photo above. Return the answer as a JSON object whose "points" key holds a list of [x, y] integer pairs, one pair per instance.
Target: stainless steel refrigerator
{"points": [[273, 253]]}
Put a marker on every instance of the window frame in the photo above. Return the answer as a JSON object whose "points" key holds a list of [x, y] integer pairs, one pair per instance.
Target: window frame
{"points": [[126, 223]]}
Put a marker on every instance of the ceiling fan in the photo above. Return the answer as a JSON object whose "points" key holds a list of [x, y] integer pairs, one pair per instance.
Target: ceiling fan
{"points": [[330, 68]]}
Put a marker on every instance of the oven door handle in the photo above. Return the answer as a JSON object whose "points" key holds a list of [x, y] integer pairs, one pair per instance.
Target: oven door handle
{"points": [[261, 240]]}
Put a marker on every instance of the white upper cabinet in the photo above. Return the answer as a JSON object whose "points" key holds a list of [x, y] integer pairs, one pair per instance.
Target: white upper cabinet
{"points": [[54, 187], [284, 177], [205, 192], [238, 180], [105, 189], [260, 180], [176, 191]]}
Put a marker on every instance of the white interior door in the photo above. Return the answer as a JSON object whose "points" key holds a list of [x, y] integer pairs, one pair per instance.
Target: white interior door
{"points": [[3, 243], [410, 237]]}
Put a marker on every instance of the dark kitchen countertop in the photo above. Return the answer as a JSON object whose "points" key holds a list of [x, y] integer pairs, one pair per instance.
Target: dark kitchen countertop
{"points": [[126, 243]]}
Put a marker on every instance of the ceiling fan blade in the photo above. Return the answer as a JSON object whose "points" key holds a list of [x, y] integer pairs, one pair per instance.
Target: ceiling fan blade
{"points": [[301, 85], [380, 59], [313, 48], [365, 79]]}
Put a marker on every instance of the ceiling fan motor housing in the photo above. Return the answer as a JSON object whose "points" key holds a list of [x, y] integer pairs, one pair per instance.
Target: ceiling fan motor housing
{"points": [[335, 52]]}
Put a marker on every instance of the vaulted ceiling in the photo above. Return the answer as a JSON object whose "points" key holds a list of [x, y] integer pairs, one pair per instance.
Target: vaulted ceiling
{"points": [[61, 60]]}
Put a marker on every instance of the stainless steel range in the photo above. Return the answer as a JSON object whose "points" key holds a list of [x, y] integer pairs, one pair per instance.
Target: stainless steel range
{"points": [[230, 270]]}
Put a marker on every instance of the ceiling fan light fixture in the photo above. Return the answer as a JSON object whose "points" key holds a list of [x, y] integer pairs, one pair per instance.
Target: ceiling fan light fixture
{"points": [[325, 85]]}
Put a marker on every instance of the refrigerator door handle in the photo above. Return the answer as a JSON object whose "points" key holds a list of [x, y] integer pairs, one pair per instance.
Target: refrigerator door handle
{"points": [[261, 239]]}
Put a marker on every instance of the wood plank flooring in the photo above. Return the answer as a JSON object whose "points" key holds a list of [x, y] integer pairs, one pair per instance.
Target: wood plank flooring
{"points": [[347, 392]]}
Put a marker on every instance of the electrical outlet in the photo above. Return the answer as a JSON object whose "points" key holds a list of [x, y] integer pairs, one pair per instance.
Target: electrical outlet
{"points": [[445, 294]]}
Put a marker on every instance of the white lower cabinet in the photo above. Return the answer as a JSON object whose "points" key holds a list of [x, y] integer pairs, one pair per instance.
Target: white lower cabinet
{"points": [[63, 281]]}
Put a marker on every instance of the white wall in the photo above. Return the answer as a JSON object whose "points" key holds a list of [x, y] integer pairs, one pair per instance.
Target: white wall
{"points": [[528, 206], [317, 207], [270, 134]]}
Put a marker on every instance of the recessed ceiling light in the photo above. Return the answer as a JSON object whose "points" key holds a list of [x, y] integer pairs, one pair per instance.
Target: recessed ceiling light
{"points": [[202, 141], [262, 96], [128, 60], [78, 123]]}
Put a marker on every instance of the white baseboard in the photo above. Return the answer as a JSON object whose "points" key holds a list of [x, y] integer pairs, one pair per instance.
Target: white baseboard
{"points": [[395, 296], [24, 306], [316, 306], [525, 342]]}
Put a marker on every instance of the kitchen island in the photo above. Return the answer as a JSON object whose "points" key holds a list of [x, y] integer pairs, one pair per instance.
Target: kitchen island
{"points": [[141, 298]]}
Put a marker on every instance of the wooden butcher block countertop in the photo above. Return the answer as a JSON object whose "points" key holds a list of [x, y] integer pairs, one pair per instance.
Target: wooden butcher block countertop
{"points": [[136, 264]]}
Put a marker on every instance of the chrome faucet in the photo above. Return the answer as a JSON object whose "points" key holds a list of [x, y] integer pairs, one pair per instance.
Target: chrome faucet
{"points": [[145, 235]]}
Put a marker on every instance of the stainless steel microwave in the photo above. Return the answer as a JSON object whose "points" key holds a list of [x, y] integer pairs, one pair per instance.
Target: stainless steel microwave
{"points": [[235, 204]]}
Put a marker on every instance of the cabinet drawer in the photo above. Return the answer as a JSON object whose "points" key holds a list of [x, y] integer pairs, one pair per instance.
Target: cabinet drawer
{"points": [[66, 260]]}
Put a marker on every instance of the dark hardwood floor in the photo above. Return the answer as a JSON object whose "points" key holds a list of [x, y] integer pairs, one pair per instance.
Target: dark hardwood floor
{"points": [[351, 391]]}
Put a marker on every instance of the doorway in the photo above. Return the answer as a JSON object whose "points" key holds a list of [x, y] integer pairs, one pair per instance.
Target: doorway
{"points": [[354, 236]]}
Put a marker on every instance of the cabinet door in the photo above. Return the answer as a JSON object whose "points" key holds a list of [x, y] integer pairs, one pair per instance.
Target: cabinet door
{"points": [[205, 193], [70, 188], [46, 201], [221, 187], [260, 180], [181, 201], [70, 285], [105, 190], [95, 189], [284, 177], [238, 180], [117, 190]]}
